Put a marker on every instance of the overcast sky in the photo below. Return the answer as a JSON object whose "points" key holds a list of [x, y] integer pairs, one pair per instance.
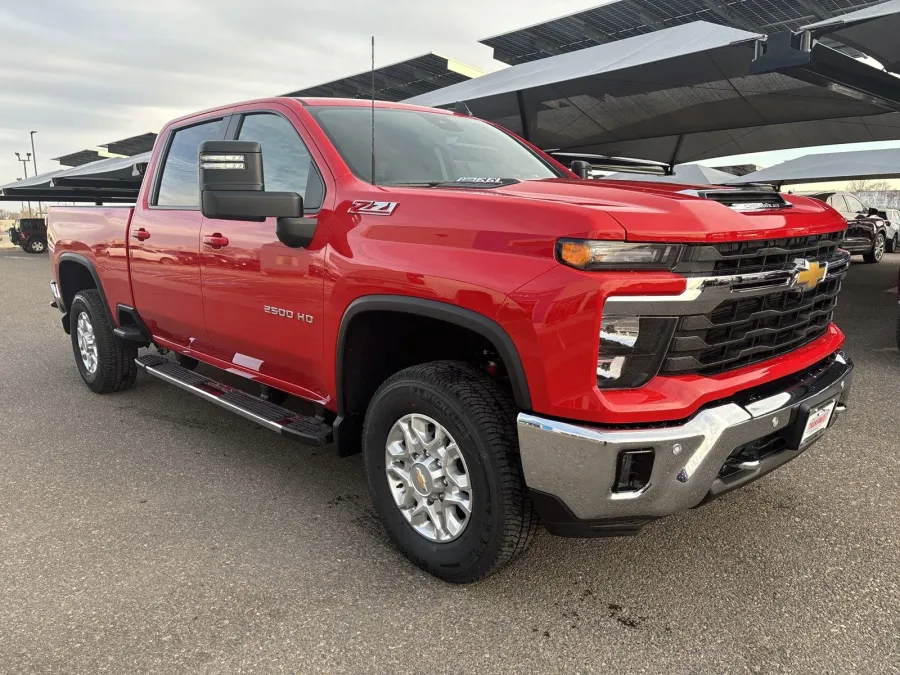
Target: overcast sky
{"points": [[86, 72]]}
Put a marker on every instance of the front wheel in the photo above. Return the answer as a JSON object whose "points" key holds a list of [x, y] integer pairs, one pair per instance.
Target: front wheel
{"points": [[106, 364], [441, 458], [893, 245]]}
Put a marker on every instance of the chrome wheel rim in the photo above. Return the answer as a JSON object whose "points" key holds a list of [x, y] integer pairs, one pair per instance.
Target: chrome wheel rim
{"points": [[37, 246], [87, 342], [428, 478], [879, 247]]}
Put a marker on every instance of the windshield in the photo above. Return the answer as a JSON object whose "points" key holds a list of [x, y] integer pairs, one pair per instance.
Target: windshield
{"points": [[424, 148]]}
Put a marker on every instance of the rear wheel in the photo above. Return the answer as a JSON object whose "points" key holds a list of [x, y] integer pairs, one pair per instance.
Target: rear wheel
{"points": [[35, 245], [877, 252], [106, 364], [893, 246], [442, 463]]}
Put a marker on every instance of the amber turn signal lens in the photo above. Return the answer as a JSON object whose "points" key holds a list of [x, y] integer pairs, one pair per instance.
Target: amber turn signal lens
{"points": [[577, 254]]}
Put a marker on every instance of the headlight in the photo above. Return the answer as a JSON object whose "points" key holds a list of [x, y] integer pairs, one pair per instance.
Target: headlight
{"points": [[585, 254], [631, 350]]}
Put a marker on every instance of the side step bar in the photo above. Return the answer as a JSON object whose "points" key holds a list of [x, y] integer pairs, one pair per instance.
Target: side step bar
{"points": [[306, 430]]}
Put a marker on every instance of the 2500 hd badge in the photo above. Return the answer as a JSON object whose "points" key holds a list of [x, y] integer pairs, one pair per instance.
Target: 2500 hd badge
{"points": [[288, 314]]}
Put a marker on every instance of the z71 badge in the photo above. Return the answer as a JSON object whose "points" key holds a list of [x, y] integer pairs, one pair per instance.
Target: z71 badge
{"points": [[372, 208]]}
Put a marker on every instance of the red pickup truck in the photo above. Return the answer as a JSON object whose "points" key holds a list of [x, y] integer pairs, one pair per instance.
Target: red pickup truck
{"points": [[505, 342]]}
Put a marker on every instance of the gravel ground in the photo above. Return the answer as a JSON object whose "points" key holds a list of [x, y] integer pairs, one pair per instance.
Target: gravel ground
{"points": [[152, 532]]}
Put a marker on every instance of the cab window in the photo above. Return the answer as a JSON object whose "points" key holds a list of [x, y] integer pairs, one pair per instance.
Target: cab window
{"points": [[287, 164], [853, 204], [179, 186]]}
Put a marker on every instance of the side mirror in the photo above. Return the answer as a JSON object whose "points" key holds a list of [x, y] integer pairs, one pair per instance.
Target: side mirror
{"points": [[232, 188], [872, 212], [581, 168]]}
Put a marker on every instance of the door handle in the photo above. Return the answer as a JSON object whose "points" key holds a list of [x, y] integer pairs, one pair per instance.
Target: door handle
{"points": [[141, 234], [215, 240]]}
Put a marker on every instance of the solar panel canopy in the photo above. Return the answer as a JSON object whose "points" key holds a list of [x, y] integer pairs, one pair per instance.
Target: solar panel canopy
{"points": [[678, 95], [858, 29], [117, 179], [134, 145], [627, 18], [831, 166], [397, 81]]}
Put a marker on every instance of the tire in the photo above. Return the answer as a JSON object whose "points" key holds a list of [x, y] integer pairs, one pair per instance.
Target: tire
{"points": [[895, 244], [877, 252], [115, 369], [35, 245], [481, 418]]}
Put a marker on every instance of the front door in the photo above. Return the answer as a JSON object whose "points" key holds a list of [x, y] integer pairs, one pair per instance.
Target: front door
{"points": [[263, 301], [164, 242]]}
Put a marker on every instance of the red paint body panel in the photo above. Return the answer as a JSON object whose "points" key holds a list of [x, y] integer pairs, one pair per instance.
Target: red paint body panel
{"points": [[490, 251], [98, 234]]}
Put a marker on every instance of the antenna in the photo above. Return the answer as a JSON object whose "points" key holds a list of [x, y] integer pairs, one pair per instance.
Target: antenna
{"points": [[373, 110]]}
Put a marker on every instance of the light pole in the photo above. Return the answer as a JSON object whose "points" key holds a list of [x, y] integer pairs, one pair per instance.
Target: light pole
{"points": [[34, 165], [25, 167]]}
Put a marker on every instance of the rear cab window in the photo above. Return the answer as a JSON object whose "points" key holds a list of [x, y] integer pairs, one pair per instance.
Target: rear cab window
{"points": [[179, 183]]}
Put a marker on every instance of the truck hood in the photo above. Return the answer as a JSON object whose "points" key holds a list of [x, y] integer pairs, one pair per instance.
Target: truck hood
{"points": [[672, 212]]}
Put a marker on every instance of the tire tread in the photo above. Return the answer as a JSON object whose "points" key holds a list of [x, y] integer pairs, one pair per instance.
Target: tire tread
{"points": [[119, 370], [492, 409]]}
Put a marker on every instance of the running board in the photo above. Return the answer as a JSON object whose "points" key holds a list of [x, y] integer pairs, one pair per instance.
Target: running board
{"points": [[306, 430]]}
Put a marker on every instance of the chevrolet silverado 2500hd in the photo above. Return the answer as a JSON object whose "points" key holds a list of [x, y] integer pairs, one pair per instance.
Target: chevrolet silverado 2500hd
{"points": [[503, 341]]}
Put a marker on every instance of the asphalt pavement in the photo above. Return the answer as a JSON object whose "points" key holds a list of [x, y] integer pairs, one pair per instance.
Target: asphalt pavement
{"points": [[150, 531]]}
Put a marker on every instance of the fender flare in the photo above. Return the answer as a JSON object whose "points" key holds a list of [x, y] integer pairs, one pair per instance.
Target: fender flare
{"points": [[79, 259], [434, 309]]}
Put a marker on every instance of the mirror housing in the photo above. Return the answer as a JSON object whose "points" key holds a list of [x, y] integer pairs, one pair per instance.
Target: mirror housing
{"points": [[872, 211], [232, 187], [581, 168]]}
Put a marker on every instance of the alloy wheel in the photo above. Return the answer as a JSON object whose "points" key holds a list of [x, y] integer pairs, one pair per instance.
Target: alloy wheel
{"points": [[87, 342], [428, 478]]}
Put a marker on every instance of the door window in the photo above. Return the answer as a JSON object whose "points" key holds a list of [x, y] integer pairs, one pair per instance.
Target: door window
{"points": [[837, 203], [287, 164], [179, 186], [854, 206]]}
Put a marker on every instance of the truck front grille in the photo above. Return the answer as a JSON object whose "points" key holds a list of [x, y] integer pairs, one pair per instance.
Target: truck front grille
{"points": [[743, 331], [749, 257]]}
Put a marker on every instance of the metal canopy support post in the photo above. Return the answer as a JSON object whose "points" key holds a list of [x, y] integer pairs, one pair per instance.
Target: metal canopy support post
{"points": [[520, 99], [675, 152]]}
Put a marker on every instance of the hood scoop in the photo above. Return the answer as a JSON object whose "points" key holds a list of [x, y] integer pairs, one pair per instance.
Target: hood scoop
{"points": [[745, 201]]}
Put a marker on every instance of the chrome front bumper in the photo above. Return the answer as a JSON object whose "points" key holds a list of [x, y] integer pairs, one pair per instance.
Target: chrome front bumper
{"points": [[577, 464]]}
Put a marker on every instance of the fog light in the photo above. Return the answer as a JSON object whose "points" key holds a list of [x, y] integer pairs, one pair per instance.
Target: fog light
{"points": [[634, 470]]}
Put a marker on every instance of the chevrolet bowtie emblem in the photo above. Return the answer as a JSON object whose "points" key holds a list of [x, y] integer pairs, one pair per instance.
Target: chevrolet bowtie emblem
{"points": [[420, 478], [809, 274]]}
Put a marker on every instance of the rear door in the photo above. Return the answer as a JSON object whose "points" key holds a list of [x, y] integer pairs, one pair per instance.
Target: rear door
{"points": [[164, 240], [263, 301]]}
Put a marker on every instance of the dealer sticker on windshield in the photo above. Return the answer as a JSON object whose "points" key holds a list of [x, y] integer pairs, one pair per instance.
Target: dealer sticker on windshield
{"points": [[818, 421]]}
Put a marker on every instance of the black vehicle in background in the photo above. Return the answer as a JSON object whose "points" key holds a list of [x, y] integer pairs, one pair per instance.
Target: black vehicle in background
{"points": [[866, 230], [30, 234]]}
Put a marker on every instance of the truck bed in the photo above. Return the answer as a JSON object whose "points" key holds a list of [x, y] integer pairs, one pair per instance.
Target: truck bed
{"points": [[100, 235]]}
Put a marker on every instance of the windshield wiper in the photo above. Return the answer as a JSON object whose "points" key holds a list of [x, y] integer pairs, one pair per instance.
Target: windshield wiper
{"points": [[469, 183]]}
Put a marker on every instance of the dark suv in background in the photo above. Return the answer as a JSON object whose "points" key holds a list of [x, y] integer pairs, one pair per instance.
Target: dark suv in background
{"points": [[30, 234], [866, 230]]}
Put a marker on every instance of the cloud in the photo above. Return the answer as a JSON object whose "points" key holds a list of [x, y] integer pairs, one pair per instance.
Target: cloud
{"points": [[85, 72]]}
